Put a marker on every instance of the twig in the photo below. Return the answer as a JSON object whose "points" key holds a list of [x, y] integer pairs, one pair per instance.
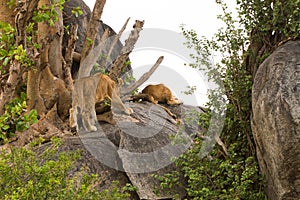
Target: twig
{"points": [[219, 142]]}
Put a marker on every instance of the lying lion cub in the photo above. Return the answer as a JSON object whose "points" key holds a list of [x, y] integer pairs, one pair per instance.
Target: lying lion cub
{"points": [[160, 94], [87, 92]]}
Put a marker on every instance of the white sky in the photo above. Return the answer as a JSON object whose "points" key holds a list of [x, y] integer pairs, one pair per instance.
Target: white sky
{"points": [[197, 14], [200, 15]]}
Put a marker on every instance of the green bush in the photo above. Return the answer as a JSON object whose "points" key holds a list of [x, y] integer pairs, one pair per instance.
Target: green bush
{"points": [[8, 49], [244, 43], [26, 175], [216, 177], [7, 45], [16, 118]]}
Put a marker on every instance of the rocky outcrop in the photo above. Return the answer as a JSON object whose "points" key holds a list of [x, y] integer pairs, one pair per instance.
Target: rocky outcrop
{"points": [[276, 121], [132, 151], [141, 145]]}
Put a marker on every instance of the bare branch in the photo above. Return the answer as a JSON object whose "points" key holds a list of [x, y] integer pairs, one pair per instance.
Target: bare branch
{"points": [[143, 78], [219, 142], [116, 39], [119, 65], [104, 62], [87, 63], [93, 27], [133, 37]]}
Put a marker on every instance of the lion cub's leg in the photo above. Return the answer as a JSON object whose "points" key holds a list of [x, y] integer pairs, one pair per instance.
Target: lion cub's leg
{"points": [[83, 104], [75, 109], [73, 119], [107, 117], [151, 99], [89, 117], [117, 104], [88, 122]]}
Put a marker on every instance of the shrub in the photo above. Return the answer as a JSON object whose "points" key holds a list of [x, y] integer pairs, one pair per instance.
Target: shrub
{"points": [[16, 118], [26, 175]]}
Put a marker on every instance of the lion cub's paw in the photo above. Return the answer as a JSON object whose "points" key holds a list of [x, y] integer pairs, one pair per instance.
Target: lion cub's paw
{"points": [[129, 111], [92, 128], [174, 101]]}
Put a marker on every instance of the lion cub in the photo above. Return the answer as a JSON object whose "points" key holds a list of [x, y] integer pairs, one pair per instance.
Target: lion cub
{"points": [[87, 92], [160, 94]]}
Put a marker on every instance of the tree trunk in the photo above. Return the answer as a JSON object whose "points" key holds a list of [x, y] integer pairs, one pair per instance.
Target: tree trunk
{"points": [[41, 91], [6, 14]]}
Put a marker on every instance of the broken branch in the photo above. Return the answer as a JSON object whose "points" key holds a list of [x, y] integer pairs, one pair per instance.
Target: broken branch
{"points": [[93, 27], [87, 63], [119, 65]]}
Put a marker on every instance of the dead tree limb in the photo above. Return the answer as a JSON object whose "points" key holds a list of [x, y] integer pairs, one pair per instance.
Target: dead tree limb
{"points": [[143, 78], [92, 29], [119, 65], [221, 143], [105, 62], [87, 63], [117, 37]]}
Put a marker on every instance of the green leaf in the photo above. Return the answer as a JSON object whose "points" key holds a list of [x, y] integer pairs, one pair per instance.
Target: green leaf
{"points": [[6, 60], [5, 127], [21, 126]]}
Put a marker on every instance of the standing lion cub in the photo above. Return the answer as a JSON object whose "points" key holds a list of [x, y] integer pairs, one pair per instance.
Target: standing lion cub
{"points": [[87, 92]]}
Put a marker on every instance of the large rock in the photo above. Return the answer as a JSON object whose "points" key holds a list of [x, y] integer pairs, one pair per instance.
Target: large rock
{"points": [[276, 121], [132, 151], [147, 148], [141, 145]]}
